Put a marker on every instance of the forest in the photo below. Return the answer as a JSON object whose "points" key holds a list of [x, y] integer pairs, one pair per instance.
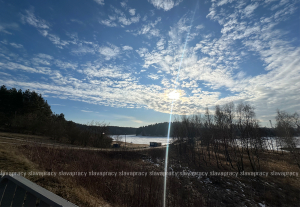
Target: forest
{"points": [[116, 130], [161, 129], [28, 112], [158, 129]]}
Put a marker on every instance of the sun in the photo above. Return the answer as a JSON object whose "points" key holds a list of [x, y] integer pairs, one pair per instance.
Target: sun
{"points": [[174, 95]]}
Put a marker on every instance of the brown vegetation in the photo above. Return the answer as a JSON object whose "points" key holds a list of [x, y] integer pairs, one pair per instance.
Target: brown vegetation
{"points": [[12, 160], [148, 190]]}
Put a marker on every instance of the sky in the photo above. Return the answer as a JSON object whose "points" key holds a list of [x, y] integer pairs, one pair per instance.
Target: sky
{"points": [[119, 61]]}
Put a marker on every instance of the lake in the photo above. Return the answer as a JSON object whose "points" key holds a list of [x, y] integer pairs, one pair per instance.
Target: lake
{"points": [[142, 139], [270, 143], [273, 143]]}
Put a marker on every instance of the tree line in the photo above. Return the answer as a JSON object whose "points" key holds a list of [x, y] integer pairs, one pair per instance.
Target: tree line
{"points": [[29, 112], [115, 130], [233, 132], [161, 129], [158, 129]]}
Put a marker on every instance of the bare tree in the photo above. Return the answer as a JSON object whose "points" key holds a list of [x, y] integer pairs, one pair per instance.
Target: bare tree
{"points": [[286, 127], [231, 132], [248, 129]]}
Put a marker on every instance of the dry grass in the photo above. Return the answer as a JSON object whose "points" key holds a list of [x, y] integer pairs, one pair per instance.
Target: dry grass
{"points": [[117, 190], [22, 136], [16, 138], [67, 189], [12, 160]]}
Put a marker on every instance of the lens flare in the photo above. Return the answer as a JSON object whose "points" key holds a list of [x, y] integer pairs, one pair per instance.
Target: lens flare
{"points": [[169, 128]]}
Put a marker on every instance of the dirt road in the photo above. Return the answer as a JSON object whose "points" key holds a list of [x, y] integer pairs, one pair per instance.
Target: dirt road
{"points": [[23, 139]]}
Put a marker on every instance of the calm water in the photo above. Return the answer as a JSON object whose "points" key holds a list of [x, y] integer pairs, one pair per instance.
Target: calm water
{"points": [[142, 139], [270, 143], [274, 143]]}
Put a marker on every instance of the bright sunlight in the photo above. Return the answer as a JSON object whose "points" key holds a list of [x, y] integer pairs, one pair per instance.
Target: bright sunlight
{"points": [[174, 95]]}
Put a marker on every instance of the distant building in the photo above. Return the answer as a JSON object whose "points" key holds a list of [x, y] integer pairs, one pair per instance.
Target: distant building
{"points": [[116, 145], [155, 144]]}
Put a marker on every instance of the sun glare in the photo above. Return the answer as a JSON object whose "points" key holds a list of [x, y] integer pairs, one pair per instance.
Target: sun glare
{"points": [[174, 95]]}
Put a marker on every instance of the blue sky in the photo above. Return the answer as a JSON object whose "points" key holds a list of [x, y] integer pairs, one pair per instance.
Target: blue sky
{"points": [[117, 61]]}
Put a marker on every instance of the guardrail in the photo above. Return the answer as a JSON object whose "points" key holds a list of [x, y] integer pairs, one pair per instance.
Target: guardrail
{"points": [[18, 191]]}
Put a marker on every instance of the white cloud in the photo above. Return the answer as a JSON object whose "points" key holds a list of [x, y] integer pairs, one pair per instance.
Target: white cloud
{"points": [[153, 76], [5, 27], [2, 73], [135, 19], [165, 4], [160, 44], [76, 21], [154, 32], [126, 21], [83, 49], [219, 59], [109, 52], [44, 27], [123, 4], [145, 18], [132, 12], [112, 18], [149, 29], [17, 66], [44, 32], [191, 84], [145, 29], [57, 105], [57, 41], [109, 71], [127, 118], [86, 111], [38, 61], [108, 23], [200, 26], [265, 91], [126, 47], [4, 42], [222, 2], [119, 16], [250, 9], [44, 56], [142, 51], [16, 45], [65, 65], [101, 2], [37, 22], [176, 32]]}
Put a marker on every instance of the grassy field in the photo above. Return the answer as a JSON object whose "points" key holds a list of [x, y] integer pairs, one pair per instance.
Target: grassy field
{"points": [[19, 139], [12, 160]]}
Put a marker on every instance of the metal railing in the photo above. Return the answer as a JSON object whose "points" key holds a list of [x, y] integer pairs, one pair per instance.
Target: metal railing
{"points": [[18, 191]]}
